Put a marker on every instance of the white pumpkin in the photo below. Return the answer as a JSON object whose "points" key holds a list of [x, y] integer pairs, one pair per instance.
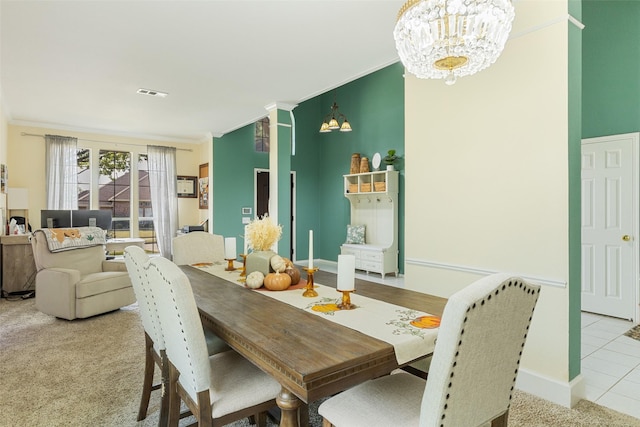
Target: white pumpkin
{"points": [[254, 280], [278, 264]]}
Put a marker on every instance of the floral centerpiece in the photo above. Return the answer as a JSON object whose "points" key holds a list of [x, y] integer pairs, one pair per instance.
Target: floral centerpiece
{"points": [[261, 234]]}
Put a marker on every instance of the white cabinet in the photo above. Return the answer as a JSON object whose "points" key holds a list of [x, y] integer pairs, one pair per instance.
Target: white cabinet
{"points": [[374, 204]]}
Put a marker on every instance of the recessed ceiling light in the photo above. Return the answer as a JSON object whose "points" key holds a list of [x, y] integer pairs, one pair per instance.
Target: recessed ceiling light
{"points": [[152, 93]]}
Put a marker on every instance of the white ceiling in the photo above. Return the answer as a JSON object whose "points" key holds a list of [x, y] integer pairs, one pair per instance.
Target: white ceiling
{"points": [[77, 64]]}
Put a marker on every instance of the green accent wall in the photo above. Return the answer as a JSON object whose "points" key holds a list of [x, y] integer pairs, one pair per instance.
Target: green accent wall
{"points": [[234, 159], [575, 247], [373, 104], [611, 67]]}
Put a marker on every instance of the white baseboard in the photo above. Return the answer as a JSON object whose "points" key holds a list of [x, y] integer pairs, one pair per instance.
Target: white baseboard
{"points": [[558, 283], [561, 393]]}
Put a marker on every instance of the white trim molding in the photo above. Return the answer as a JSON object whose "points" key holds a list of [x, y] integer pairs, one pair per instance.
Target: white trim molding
{"points": [[566, 394], [286, 106], [483, 271], [557, 20]]}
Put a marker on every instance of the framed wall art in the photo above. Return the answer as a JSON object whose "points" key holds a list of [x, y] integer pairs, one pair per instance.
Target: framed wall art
{"points": [[187, 186], [3, 178], [203, 186]]}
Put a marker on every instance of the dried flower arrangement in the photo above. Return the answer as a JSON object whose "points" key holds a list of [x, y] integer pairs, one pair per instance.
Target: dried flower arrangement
{"points": [[262, 233]]}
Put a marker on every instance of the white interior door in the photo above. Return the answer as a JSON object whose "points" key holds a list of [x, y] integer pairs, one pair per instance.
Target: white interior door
{"points": [[609, 225]]}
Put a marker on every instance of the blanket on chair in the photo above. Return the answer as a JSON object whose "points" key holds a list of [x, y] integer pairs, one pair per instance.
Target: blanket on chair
{"points": [[64, 239]]}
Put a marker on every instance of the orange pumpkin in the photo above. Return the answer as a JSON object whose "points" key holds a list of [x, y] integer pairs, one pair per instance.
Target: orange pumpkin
{"points": [[277, 281]]}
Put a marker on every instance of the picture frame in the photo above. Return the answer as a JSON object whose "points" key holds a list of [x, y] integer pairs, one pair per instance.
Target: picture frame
{"points": [[187, 186], [203, 186], [3, 178]]}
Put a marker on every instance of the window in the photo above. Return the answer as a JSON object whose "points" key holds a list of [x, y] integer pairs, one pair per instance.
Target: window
{"points": [[115, 190], [262, 135], [108, 179], [84, 178], [145, 211]]}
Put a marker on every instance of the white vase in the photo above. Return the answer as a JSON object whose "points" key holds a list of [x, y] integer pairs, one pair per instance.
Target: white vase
{"points": [[390, 168]]}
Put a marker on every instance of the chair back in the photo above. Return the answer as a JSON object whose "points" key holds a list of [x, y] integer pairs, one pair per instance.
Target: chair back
{"points": [[180, 325], [86, 260], [137, 262], [477, 354], [198, 246]]}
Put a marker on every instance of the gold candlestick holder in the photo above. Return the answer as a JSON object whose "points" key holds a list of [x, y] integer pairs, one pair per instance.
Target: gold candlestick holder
{"points": [[346, 301], [308, 290], [243, 270], [230, 266]]}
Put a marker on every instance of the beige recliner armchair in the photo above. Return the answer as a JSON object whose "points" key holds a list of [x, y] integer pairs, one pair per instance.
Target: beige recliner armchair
{"points": [[198, 246], [78, 282]]}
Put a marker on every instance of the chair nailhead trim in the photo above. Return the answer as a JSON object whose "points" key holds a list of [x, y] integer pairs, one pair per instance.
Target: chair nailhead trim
{"points": [[529, 291]]}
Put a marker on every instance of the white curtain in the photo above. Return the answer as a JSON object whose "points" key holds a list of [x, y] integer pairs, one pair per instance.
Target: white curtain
{"points": [[164, 195], [62, 172]]}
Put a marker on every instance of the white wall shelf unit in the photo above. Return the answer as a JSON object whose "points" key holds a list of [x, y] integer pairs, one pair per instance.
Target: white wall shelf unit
{"points": [[374, 203]]}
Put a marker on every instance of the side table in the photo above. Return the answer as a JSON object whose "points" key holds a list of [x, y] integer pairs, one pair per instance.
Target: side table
{"points": [[18, 265], [118, 245]]}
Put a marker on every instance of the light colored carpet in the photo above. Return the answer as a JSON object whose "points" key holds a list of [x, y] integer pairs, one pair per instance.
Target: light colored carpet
{"points": [[89, 373], [634, 333]]}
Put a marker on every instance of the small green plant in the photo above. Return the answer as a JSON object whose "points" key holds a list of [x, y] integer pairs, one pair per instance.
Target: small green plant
{"points": [[391, 157]]}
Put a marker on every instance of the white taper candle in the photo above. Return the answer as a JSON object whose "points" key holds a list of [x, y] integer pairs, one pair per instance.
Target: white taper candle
{"points": [[246, 242], [346, 272], [310, 249], [230, 248]]}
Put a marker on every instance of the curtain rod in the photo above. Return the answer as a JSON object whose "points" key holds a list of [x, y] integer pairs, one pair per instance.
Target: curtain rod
{"points": [[104, 142]]}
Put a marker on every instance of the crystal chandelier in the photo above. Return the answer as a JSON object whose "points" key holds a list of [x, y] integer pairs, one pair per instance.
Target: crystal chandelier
{"points": [[331, 120], [447, 39]]}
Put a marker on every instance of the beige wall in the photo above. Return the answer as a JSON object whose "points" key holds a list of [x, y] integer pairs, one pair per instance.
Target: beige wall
{"points": [[26, 163], [486, 178], [3, 153]]}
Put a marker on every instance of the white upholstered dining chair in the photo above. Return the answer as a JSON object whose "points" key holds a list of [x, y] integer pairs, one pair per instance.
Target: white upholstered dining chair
{"points": [[218, 389], [473, 371], [198, 246], [137, 262]]}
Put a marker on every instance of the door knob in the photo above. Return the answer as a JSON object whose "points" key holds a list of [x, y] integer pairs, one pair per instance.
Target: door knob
{"points": [[626, 237]]}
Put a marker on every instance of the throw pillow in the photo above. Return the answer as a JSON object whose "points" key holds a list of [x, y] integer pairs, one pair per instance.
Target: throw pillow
{"points": [[355, 234]]}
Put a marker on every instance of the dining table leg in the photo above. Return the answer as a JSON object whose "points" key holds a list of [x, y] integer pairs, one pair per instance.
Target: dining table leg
{"points": [[288, 404]]}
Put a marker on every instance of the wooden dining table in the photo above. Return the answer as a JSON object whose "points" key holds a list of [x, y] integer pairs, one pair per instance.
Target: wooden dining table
{"points": [[311, 357]]}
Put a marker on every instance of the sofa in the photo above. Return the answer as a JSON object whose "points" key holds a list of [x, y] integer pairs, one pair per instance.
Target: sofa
{"points": [[74, 279]]}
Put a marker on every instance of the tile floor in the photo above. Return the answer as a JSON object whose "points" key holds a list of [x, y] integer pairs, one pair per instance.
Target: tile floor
{"points": [[610, 363], [610, 360]]}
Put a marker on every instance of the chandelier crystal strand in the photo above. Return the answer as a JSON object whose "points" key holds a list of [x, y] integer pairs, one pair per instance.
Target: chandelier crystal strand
{"points": [[446, 39]]}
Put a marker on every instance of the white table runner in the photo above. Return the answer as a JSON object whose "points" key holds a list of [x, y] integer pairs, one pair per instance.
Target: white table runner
{"points": [[384, 321]]}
